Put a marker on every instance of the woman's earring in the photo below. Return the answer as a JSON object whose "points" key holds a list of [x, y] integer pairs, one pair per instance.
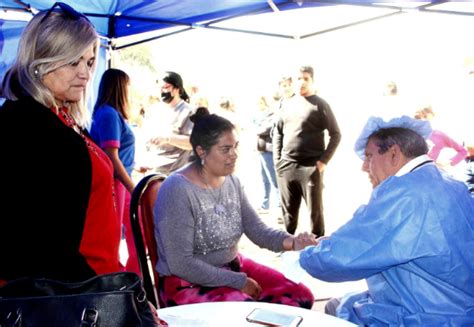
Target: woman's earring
{"points": [[202, 161], [36, 73]]}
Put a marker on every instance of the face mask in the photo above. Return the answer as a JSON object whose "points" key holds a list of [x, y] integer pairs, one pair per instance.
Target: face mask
{"points": [[166, 97]]}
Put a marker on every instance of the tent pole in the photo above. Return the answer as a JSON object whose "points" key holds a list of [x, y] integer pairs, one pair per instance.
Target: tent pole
{"points": [[352, 24], [149, 39]]}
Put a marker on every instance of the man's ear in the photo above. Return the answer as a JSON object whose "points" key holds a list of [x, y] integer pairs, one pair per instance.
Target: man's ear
{"points": [[397, 157]]}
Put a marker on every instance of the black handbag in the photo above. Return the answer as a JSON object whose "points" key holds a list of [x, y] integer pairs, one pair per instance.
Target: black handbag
{"points": [[112, 300]]}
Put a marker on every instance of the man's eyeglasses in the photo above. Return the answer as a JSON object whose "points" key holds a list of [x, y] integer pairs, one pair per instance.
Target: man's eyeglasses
{"points": [[67, 10]]}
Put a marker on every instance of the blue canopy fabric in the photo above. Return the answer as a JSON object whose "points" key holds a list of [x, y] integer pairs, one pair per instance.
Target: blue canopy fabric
{"points": [[115, 19], [9, 36], [119, 18]]}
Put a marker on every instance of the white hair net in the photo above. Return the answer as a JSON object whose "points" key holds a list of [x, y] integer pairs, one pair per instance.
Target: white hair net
{"points": [[421, 127]]}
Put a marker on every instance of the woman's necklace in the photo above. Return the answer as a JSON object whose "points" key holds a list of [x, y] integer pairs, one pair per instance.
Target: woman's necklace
{"points": [[72, 123], [219, 208], [78, 129]]}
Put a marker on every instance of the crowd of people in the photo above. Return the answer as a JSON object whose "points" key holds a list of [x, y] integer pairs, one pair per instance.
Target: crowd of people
{"points": [[416, 229]]}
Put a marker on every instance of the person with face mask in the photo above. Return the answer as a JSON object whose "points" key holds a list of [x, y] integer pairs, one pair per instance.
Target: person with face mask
{"points": [[175, 145]]}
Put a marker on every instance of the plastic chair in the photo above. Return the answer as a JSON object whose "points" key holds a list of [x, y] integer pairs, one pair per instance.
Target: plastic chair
{"points": [[143, 229]]}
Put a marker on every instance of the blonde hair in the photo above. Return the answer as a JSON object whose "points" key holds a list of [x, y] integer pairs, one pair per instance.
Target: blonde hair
{"points": [[45, 45]]}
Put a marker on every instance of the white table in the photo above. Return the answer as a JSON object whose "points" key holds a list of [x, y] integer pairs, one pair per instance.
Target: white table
{"points": [[234, 314]]}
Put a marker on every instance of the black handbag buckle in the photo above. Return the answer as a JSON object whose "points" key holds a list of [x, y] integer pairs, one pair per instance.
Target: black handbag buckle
{"points": [[89, 317]]}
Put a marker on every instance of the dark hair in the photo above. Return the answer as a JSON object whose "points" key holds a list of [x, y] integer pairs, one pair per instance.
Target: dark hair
{"points": [[113, 90], [207, 129], [176, 80], [307, 69], [411, 143]]}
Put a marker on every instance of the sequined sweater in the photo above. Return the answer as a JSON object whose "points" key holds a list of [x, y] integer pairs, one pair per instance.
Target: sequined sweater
{"points": [[195, 241]]}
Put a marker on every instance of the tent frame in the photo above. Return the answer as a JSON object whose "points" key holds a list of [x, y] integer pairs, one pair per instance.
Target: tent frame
{"points": [[270, 6]]}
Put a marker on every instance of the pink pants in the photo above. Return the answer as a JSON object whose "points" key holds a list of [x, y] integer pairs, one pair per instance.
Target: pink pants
{"points": [[123, 198], [275, 289]]}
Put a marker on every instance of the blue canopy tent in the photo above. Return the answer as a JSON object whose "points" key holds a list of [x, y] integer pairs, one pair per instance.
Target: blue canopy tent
{"points": [[115, 19], [118, 20]]}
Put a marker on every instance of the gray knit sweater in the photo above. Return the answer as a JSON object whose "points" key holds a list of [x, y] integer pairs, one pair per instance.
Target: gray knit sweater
{"points": [[194, 241]]}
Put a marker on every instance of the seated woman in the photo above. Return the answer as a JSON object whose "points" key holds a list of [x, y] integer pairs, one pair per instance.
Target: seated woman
{"points": [[200, 215]]}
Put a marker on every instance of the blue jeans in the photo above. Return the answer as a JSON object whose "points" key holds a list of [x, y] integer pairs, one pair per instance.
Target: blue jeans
{"points": [[269, 181]]}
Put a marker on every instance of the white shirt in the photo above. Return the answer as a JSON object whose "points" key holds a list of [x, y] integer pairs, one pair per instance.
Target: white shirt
{"points": [[410, 165]]}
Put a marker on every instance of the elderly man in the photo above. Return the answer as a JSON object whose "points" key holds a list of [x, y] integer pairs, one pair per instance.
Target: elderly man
{"points": [[413, 242]]}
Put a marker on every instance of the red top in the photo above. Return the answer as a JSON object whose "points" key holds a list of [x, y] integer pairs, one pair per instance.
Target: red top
{"points": [[102, 230]]}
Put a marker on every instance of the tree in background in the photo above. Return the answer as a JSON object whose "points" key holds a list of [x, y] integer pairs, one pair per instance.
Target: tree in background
{"points": [[137, 61]]}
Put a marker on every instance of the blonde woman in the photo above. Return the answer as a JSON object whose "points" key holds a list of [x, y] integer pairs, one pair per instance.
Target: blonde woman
{"points": [[58, 212]]}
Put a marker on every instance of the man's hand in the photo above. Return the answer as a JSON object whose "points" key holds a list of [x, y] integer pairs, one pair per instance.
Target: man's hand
{"points": [[321, 166], [252, 288], [319, 239]]}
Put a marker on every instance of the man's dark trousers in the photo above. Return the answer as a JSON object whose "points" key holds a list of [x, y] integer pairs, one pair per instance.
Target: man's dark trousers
{"points": [[297, 181]]}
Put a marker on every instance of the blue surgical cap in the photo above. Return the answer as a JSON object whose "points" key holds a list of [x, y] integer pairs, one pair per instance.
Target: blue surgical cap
{"points": [[422, 127]]}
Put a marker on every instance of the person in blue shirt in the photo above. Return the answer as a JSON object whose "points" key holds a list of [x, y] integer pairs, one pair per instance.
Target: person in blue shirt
{"points": [[111, 131], [412, 242]]}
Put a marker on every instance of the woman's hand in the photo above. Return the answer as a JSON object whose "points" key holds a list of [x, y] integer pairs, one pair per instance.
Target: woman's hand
{"points": [[303, 240], [252, 288]]}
